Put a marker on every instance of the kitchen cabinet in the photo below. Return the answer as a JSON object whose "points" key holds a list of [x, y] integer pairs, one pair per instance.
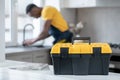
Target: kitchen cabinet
{"points": [[25, 57], [108, 3], [35, 56], [77, 3], [89, 3], [115, 61], [70, 3], [41, 57]]}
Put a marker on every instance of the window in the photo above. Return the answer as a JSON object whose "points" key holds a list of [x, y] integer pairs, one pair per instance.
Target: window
{"points": [[16, 19], [24, 20], [8, 21]]}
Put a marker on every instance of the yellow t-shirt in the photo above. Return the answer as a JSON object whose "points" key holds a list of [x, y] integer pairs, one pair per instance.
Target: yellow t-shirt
{"points": [[51, 13]]}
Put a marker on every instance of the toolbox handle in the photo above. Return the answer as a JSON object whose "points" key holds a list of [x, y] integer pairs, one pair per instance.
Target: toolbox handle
{"points": [[81, 38]]}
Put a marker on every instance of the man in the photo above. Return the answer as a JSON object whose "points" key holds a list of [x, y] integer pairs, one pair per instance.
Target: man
{"points": [[55, 25]]}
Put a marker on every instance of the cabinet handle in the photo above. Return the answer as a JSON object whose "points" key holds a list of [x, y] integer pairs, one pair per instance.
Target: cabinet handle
{"points": [[26, 58], [41, 56]]}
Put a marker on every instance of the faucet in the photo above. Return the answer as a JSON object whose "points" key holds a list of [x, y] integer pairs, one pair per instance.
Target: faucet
{"points": [[24, 31]]}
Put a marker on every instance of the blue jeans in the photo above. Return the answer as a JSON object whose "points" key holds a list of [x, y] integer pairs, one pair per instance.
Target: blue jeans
{"points": [[58, 35]]}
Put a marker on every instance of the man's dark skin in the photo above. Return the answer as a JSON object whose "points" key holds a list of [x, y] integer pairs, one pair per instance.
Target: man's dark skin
{"points": [[36, 13]]}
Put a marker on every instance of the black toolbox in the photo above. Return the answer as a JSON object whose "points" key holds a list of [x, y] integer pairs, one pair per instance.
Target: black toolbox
{"points": [[81, 58]]}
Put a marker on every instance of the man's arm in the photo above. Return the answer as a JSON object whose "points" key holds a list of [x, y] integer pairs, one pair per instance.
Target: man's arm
{"points": [[44, 34]]}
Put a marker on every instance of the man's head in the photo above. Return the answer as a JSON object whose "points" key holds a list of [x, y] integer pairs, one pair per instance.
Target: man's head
{"points": [[33, 10]]}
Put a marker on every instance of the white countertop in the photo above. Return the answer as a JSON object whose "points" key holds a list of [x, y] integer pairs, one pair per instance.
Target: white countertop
{"points": [[10, 74], [24, 49]]}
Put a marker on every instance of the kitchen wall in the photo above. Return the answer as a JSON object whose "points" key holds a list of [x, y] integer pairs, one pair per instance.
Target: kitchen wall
{"points": [[69, 14], [2, 30], [101, 24]]}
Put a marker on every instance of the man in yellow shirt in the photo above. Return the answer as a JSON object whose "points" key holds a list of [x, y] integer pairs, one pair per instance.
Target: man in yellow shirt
{"points": [[55, 24]]}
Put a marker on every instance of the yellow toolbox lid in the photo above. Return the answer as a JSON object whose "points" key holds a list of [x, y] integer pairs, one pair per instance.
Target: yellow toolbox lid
{"points": [[105, 48], [73, 49], [81, 48], [56, 48]]}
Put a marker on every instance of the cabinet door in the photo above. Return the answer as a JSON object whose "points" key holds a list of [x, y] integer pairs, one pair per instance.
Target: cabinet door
{"points": [[41, 57], [107, 3], [89, 3], [24, 57], [77, 3]]}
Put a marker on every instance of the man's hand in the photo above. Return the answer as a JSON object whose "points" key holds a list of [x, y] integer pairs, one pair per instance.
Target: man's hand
{"points": [[44, 34], [28, 42]]}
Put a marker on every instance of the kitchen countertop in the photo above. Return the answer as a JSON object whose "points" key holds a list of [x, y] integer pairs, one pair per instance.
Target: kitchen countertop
{"points": [[24, 49], [10, 74]]}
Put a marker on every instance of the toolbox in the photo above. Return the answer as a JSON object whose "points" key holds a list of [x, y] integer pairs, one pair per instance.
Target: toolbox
{"points": [[81, 58]]}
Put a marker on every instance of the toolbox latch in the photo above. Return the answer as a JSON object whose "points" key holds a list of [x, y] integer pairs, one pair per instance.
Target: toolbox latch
{"points": [[64, 52]]}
